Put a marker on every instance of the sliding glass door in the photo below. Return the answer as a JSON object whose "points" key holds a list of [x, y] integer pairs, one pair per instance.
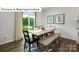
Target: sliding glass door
{"points": [[28, 20]]}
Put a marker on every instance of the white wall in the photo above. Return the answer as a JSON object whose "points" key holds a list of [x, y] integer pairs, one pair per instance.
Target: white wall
{"points": [[7, 27], [38, 18], [68, 29]]}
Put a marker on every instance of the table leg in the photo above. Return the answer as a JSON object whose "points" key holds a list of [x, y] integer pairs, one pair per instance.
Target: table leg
{"points": [[29, 47], [37, 41]]}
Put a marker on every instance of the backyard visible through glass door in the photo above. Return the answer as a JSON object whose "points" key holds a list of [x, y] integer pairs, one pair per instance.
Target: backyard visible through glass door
{"points": [[28, 20]]}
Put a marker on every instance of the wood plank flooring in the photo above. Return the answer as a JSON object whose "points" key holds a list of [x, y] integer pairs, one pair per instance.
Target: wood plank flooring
{"points": [[66, 45]]}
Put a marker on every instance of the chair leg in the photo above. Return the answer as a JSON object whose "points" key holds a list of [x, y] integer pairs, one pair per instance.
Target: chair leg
{"points": [[37, 44], [24, 46]]}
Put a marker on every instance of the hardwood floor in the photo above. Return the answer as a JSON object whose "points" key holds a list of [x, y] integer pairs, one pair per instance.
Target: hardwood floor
{"points": [[66, 45], [12, 46]]}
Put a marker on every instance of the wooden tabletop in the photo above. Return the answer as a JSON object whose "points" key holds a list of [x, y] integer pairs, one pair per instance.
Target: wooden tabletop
{"points": [[39, 32]]}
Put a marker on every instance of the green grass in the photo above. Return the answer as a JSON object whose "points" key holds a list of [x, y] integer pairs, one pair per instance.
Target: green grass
{"points": [[25, 23], [25, 28]]}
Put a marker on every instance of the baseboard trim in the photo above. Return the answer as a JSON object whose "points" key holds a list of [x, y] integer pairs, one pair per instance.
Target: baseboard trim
{"points": [[67, 38]]}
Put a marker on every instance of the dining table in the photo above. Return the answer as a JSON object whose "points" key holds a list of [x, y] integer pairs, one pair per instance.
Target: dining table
{"points": [[39, 32]]}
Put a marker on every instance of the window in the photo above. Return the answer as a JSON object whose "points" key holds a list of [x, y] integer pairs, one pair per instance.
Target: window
{"points": [[29, 20]]}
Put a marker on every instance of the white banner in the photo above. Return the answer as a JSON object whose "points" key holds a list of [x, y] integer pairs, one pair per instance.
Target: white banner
{"points": [[20, 9]]}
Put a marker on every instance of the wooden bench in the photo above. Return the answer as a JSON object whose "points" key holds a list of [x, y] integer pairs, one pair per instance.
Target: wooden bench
{"points": [[46, 42]]}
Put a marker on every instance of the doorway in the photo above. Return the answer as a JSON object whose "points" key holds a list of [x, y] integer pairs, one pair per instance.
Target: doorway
{"points": [[29, 20]]}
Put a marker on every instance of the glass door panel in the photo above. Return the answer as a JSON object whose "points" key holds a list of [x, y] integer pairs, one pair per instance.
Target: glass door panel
{"points": [[28, 20]]}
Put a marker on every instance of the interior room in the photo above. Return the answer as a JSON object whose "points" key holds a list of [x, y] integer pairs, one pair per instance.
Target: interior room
{"points": [[53, 29]]}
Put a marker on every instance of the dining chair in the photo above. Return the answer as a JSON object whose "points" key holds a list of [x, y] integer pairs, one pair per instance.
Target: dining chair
{"points": [[28, 40], [52, 32]]}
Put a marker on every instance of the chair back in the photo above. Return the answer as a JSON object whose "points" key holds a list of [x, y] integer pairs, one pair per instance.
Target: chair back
{"points": [[26, 36]]}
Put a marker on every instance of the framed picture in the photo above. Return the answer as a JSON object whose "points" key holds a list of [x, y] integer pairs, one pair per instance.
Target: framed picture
{"points": [[50, 19], [60, 19]]}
